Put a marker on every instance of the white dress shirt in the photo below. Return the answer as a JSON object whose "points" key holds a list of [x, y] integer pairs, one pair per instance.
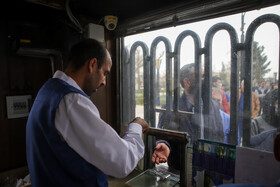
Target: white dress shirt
{"points": [[78, 121]]}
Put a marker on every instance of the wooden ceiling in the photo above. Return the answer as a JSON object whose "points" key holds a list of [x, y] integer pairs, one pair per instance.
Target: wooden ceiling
{"points": [[123, 9]]}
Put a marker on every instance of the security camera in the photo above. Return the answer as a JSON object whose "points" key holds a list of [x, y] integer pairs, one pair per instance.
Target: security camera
{"points": [[110, 22]]}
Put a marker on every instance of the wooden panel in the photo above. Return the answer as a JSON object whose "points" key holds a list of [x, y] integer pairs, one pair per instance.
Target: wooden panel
{"points": [[105, 98]]}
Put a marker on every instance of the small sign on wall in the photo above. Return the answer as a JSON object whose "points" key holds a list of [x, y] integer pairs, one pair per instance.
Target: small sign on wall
{"points": [[18, 106]]}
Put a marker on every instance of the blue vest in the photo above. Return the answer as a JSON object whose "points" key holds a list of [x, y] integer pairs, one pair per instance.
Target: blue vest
{"points": [[50, 160]]}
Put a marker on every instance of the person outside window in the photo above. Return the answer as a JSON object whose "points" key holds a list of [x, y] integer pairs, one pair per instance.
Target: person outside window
{"points": [[268, 120], [225, 90], [217, 95], [190, 123], [261, 91], [217, 82]]}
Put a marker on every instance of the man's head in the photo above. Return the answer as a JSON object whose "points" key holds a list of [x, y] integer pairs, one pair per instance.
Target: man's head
{"points": [[216, 82], [187, 78], [89, 64], [262, 84], [217, 95]]}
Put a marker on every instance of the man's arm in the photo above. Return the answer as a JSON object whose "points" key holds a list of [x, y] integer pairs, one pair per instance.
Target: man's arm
{"points": [[79, 123]]}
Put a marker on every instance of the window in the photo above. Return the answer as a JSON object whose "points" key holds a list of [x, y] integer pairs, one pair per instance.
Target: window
{"points": [[152, 82]]}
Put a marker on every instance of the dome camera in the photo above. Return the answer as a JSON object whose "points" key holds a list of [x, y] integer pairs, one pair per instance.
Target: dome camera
{"points": [[110, 22]]}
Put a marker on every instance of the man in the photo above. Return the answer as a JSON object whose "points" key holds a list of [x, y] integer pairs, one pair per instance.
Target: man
{"points": [[212, 123], [68, 144], [261, 91], [217, 83], [171, 121], [269, 119], [255, 101], [217, 95]]}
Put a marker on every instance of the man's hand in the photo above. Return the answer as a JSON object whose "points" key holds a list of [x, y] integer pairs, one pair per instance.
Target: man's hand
{"points": [[161, 153], [143, 123]]}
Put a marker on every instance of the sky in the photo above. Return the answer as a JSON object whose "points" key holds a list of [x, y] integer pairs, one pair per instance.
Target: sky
{"points": [[266, 35]]}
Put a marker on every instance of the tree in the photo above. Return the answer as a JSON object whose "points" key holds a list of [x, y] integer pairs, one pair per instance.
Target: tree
{"points": [[260, 64], [139, 67], [224, 74]]}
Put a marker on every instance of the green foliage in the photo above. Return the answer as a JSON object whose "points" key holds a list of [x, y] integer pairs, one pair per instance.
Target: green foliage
{"points": [[260, 64], [139, 97], [223, 75]]}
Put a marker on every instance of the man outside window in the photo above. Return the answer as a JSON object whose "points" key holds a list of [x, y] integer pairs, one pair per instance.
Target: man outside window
{"points": [[190, 123]]}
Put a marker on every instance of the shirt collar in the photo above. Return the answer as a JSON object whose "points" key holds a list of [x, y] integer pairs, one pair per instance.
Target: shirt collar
{"points": [[61, 75]]}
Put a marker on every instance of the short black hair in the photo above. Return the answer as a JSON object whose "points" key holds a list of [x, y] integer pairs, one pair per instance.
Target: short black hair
{"points": [[216, 78], [186, 72], [85, 50]]}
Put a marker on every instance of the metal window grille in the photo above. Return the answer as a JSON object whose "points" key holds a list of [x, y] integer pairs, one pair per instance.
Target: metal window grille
{"points": [[173, 56], [149, 66]]}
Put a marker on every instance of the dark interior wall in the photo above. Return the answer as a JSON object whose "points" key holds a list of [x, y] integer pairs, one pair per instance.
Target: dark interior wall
{"points": [[22, 75], [105, 97]]}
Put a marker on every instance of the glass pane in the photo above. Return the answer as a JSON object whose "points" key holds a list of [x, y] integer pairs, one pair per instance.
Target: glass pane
{"points": [[215, 109], [265, 71], [160, 76], [221, 78], [139, 83]]}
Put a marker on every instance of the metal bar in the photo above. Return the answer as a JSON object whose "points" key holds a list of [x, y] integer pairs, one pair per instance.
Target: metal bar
{"points": [[234, 72], [180, 137], [154, 45], [207, 87], [177, 50], [146, 81], [247, 68], [119, 58]]}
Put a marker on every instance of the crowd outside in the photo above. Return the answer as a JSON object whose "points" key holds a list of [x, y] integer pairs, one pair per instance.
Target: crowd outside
{"points": [[220, 119]]}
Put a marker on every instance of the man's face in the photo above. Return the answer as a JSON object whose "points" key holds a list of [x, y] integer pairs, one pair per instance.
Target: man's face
{"points": [[217, 84], [217, 96], [191, 87], [97, 79]]}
